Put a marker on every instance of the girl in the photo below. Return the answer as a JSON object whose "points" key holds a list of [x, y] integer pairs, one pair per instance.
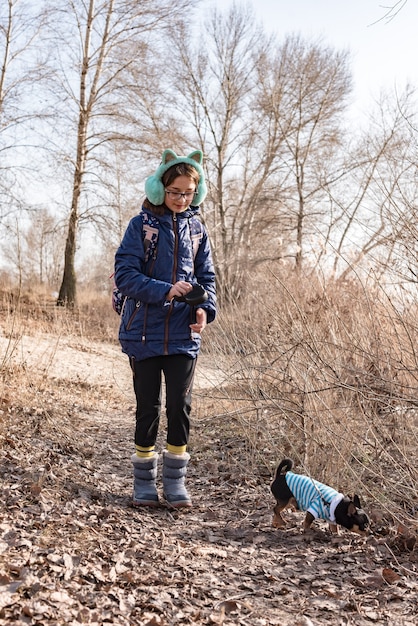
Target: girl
{"points": [[164, 253]]}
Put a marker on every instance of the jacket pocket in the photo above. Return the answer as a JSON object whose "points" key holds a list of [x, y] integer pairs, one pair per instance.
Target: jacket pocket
{"points": [[133, 315]]}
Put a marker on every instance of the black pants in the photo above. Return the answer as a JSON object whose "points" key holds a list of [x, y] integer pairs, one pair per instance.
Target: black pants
{"points": [[178, 371]]}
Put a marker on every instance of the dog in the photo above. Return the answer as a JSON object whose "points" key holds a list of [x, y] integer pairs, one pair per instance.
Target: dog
{"points": [[318, 500]]}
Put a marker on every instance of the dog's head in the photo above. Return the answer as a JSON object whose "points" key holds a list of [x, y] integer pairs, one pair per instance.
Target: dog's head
{"points": [[350, 515]]}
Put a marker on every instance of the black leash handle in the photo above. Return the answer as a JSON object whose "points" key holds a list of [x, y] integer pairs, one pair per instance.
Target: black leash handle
{"points": [[196, 296]]}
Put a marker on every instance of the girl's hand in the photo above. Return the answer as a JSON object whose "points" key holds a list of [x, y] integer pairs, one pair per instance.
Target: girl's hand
{"points": [[180, 288], [201, 320]]}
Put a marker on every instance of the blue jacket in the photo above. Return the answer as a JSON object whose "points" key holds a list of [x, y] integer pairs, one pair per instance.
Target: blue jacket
{"points": [[150, 325]]}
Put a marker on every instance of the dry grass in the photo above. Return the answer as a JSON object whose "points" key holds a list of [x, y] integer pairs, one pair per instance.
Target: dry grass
{"points": [[36, 311], [328, 375], [323, 373]]}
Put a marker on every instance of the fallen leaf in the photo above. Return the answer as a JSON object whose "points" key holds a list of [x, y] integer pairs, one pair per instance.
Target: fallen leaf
{"points": [[390, 576]]}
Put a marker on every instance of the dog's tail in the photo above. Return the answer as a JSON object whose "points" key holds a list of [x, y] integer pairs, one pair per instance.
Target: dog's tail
{"points": [[284, 466]]}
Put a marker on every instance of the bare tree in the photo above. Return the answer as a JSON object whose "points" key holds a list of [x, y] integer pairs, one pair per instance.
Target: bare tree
{"points": [[314, 83], [20, 26], [33, 247], [268, 118], [284, 183], [43, 243], [377, 192], [215, 106], [96, 44]]}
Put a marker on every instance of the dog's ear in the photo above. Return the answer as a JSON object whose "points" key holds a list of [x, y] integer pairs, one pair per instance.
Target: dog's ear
{"points": [[352, 509], [356, 501]]}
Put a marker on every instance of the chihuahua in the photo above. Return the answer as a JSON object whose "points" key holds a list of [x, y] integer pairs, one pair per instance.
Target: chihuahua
{"points": [[318, 500]]}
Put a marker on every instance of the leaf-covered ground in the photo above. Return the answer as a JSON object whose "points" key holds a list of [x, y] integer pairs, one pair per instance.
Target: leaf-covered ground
{"points": [[73, 550]]}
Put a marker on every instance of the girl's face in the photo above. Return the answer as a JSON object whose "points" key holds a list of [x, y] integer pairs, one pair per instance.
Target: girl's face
{"points": [[180, 193]]}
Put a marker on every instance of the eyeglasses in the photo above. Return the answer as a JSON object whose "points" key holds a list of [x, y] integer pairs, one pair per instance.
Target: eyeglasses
{"points": [[176, 195]]}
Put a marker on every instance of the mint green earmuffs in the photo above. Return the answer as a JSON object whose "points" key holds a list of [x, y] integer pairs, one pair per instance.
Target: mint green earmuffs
{"points": [[154, 188]]}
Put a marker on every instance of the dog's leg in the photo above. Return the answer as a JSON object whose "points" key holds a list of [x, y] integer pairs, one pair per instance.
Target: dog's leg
{"points": [[278, 521], [333, 528], [309, 518]]}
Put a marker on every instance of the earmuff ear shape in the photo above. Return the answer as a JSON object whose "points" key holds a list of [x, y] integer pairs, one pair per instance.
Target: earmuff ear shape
{"points": [[202, 191], [168, 155], [196, 155]]}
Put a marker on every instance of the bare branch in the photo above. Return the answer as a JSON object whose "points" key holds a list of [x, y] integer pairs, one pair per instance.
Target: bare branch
{"points": [[391, 12]]}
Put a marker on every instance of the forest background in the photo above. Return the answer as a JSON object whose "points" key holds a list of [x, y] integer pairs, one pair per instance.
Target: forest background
{"points": [[313, 220]]}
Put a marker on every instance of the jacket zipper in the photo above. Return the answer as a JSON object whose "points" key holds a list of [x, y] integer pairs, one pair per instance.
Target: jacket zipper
{"points": [[167, 319], [143, 338], [132, 317], [145, 323]]}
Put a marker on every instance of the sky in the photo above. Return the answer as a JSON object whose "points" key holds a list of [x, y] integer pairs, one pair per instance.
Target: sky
{"points": [[384, 51]]}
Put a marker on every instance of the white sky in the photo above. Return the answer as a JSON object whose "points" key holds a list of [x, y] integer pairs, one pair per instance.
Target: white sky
{"points": [[384, 53]]}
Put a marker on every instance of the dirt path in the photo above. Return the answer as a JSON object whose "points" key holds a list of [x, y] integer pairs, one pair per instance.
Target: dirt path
{"points": [[82, 360], [73, 551]]}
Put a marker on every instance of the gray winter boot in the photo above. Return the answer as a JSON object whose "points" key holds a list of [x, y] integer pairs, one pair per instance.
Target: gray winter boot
{"points": [[174, 474], [145, 475]]}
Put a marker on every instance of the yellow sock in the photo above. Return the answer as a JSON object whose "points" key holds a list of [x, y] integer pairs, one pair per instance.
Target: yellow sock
{"points": [[176, 449], [144, 453]]}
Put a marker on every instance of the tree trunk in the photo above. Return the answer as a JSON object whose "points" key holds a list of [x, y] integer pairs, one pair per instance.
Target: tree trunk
{"points": [[68, 291]]}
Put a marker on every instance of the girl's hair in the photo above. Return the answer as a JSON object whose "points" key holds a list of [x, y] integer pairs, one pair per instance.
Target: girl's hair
{"points": [[181, 169]]}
